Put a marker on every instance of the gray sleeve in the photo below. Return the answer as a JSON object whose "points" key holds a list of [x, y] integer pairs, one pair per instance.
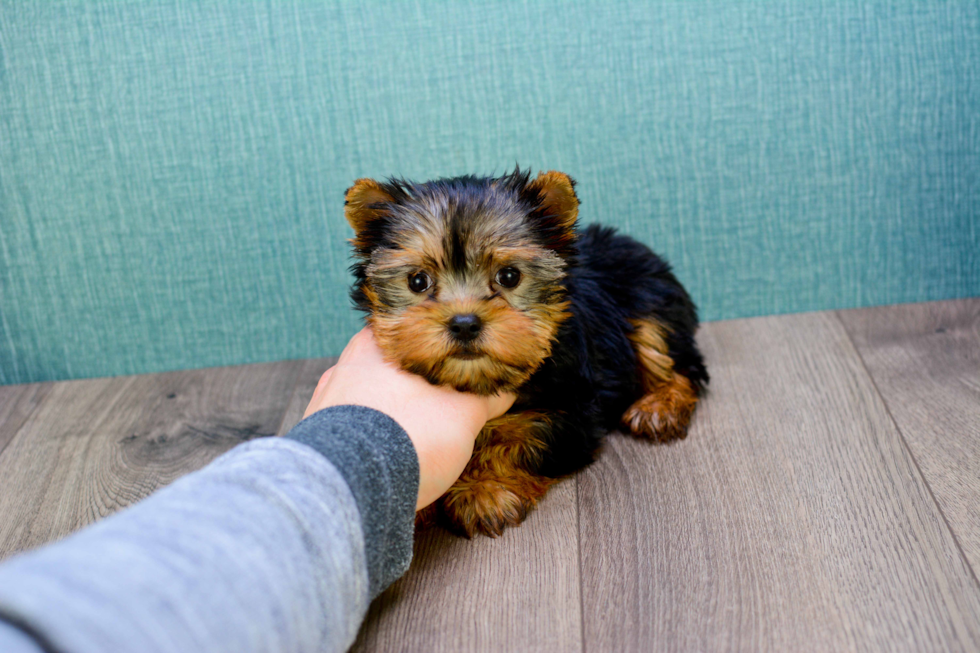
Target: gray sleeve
{"points": [[14, 640], [263, 549], [385, 492]]}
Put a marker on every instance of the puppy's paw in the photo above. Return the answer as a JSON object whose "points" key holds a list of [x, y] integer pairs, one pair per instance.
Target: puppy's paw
{"points": [[484, 502], [427, 517], [663, 414]]}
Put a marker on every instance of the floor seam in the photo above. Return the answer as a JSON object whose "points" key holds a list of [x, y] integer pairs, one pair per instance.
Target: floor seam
{"points": [[908, 450]]}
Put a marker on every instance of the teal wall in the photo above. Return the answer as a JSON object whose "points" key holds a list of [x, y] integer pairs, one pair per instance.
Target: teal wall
{"points": [[171, 173]]}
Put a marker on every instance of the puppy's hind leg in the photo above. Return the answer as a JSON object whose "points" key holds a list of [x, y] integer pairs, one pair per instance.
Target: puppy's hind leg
{"points": [[664, 411]]}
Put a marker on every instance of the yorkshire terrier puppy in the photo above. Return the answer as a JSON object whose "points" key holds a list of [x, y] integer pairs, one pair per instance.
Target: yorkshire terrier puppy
{"points": [[486, 284]]}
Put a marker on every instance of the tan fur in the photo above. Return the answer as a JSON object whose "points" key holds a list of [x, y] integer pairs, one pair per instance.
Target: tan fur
{"points": [[427, 517], [496, 489], [519, 324], [372, 297], [514, 344], [426, 245], [664, 412], [558, 194], [358, 201], [649, 342]]}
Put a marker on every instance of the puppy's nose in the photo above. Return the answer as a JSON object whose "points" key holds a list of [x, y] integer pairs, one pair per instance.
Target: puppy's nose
{"points": [[465, 327]]}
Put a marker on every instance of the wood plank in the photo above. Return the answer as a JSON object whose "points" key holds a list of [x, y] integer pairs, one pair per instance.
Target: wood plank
{"points": [[309, 376], [925, 361], [17, 402], [792, 518], [98, 445], [519, 592], [477, 595]]}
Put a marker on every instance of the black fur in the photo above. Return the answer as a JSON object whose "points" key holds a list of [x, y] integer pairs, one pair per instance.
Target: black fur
{"points": [[461, 193], [592, 375]]}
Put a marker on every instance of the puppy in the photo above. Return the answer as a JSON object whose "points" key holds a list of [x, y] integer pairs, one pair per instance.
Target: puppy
{"points": [[487, 284]]}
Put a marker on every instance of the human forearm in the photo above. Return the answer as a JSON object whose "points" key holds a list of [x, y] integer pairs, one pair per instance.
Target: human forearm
{"points": [[262, 550]]}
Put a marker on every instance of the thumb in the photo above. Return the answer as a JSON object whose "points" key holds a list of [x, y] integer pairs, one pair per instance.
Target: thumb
{"points": [[500, 404], [318, 393]]}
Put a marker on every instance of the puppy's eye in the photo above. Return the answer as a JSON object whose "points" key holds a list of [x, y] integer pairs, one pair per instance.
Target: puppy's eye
{"points": [[509, 277], [419, 282]]}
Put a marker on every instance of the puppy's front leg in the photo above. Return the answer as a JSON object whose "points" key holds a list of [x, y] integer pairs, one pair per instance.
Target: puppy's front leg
{"points": [[498, 488]]}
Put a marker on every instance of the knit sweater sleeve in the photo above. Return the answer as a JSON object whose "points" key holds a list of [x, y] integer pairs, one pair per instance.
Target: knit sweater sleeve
{"points": [[279, 544]]}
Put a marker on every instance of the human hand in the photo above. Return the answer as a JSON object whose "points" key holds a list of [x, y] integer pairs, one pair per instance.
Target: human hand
{"points": [[441, 422]]}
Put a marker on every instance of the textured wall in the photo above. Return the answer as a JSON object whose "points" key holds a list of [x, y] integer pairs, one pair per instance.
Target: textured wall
{"points": [[171, 173]]}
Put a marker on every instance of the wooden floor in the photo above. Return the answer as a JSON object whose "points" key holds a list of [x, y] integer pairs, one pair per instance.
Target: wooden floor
{"points": [[827, 498]]}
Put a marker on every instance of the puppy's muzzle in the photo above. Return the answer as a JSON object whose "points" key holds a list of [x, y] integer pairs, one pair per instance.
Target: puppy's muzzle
{"points": [[465, 327]]}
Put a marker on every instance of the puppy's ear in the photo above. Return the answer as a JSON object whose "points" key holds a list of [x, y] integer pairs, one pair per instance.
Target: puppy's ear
{"points": [[365, 202], [557, 208], [558, 199]]}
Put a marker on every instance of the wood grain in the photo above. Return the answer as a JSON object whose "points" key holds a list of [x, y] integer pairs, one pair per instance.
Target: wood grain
{"points": [[95, 446], [519, 592], [794, 517], [791, 519], [925, 361], [475, 595], [17, 402]]}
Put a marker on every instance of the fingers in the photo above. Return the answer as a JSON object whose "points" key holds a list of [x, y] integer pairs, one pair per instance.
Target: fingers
{"points": [[500, 404], [318, 393], [324, 378], [361, 346], [362, 355]]}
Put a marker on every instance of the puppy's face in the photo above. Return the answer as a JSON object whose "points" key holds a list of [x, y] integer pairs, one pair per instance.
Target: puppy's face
{"points": [[462, 278]]}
